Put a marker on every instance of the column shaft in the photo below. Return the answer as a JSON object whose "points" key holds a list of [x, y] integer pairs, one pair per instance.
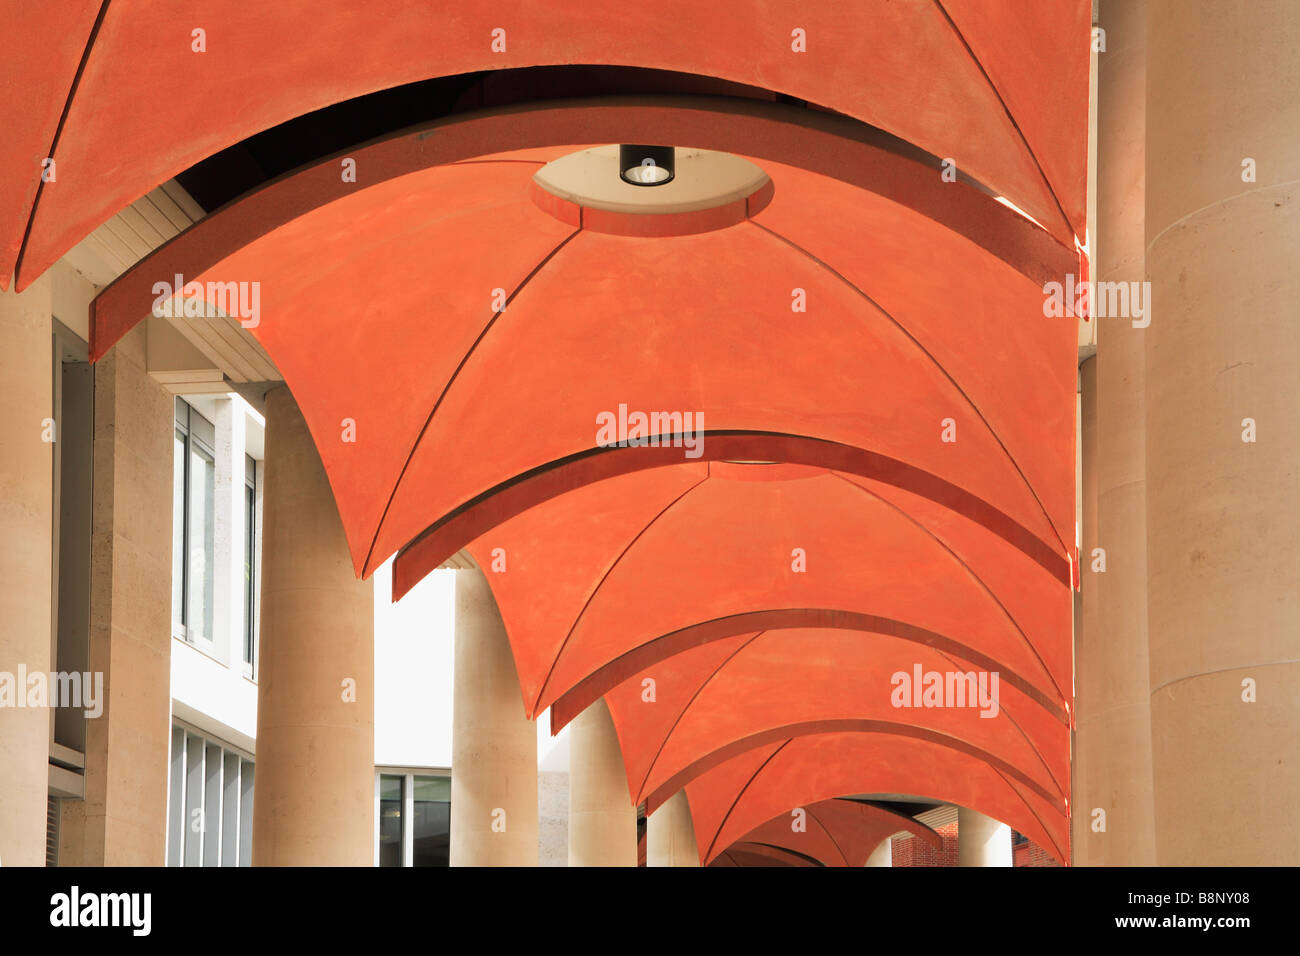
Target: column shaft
{"points": [[26, 495], [981, 840], [670, 834], [493, 744], [1119, 758], [602, 818], [1087, 646], [314, 789], [882, 855], [1222, 226]]}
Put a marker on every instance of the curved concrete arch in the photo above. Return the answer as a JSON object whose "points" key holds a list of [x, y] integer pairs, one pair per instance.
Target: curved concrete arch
{"points": [[849, 726], [708, 699], [837, 832], [405, 453], [517, 495], [972, 100], [567, 583], [733, 797], [821, 143]]}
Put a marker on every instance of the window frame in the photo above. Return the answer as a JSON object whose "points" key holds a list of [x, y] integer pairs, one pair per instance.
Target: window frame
{"points": [[182, 628], [251, 552], [407, 776]]}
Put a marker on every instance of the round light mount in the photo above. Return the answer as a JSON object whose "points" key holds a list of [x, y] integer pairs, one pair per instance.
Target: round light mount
{"points": [[588, 189], [646, 165]]}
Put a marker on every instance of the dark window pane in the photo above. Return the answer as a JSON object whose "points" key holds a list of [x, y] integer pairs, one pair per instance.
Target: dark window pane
{"points": [[432, 823], [250, 557], [390, 820]]}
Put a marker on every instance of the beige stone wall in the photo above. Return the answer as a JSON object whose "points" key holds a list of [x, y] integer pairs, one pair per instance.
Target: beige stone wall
{"points": [[553, 818]]}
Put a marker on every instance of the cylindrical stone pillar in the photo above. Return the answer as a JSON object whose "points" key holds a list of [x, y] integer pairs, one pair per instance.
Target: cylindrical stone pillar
{"points": [[882, 855], [981, 840], [602, 817], [1118, 678], [670, 834], [314, 789], [493, 743], [26, 527], [1223, 428], [1087, 646]]}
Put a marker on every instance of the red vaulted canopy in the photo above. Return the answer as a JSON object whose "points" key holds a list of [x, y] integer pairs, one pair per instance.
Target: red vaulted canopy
{"points": [[827, 833], [124, 100], [885, 473]]}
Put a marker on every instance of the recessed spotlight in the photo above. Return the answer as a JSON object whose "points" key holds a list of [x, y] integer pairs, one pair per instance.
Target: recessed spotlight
{"points": [[646, 165]]}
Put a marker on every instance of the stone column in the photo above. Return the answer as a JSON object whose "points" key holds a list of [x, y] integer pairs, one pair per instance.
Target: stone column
{"points": [[314, 790], [123, 819], [602, 817], [1087, 646], [670, 834], [493, 743], [26, 528], [1118, 680], [882, 855], [1223, 428], [981, 840]]}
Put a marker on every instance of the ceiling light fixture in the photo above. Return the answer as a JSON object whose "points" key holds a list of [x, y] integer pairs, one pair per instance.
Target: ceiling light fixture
{"points": [[646, 165]]}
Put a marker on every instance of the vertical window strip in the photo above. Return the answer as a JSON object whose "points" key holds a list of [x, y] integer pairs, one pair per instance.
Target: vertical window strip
{"points": [[209, 804]]}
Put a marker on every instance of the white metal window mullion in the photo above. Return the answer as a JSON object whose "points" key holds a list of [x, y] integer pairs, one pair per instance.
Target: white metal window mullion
{"points": [[408, 820], [185, 756], [378, 818], [221, 798], [203, 796]]}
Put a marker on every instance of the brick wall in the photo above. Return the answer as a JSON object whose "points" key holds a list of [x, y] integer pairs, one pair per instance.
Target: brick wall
{"points": [[1029, 853], [914, 852]]}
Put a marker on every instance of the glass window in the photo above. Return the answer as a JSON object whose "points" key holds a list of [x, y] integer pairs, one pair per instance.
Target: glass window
{"points": [[431, 822], [193, 523], [202, 561], [210, 803], [250, 559], [414, 820], [178, 530], [390, 819]]}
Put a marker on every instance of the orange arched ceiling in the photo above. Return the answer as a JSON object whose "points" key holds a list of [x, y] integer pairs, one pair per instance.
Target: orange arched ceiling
{"points": [[750, 788], [758, 854], [831, 833], [885, 360], [694, 710], [476, 427], [705, 551], [1000, 89]]}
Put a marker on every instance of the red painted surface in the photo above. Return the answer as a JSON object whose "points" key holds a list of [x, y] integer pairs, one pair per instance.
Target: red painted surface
{"points": [[43, 44], [731, 799], [737, 692], [832, 833], [896, 355], [681, 545], [1001, 88], [477, 427]]}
